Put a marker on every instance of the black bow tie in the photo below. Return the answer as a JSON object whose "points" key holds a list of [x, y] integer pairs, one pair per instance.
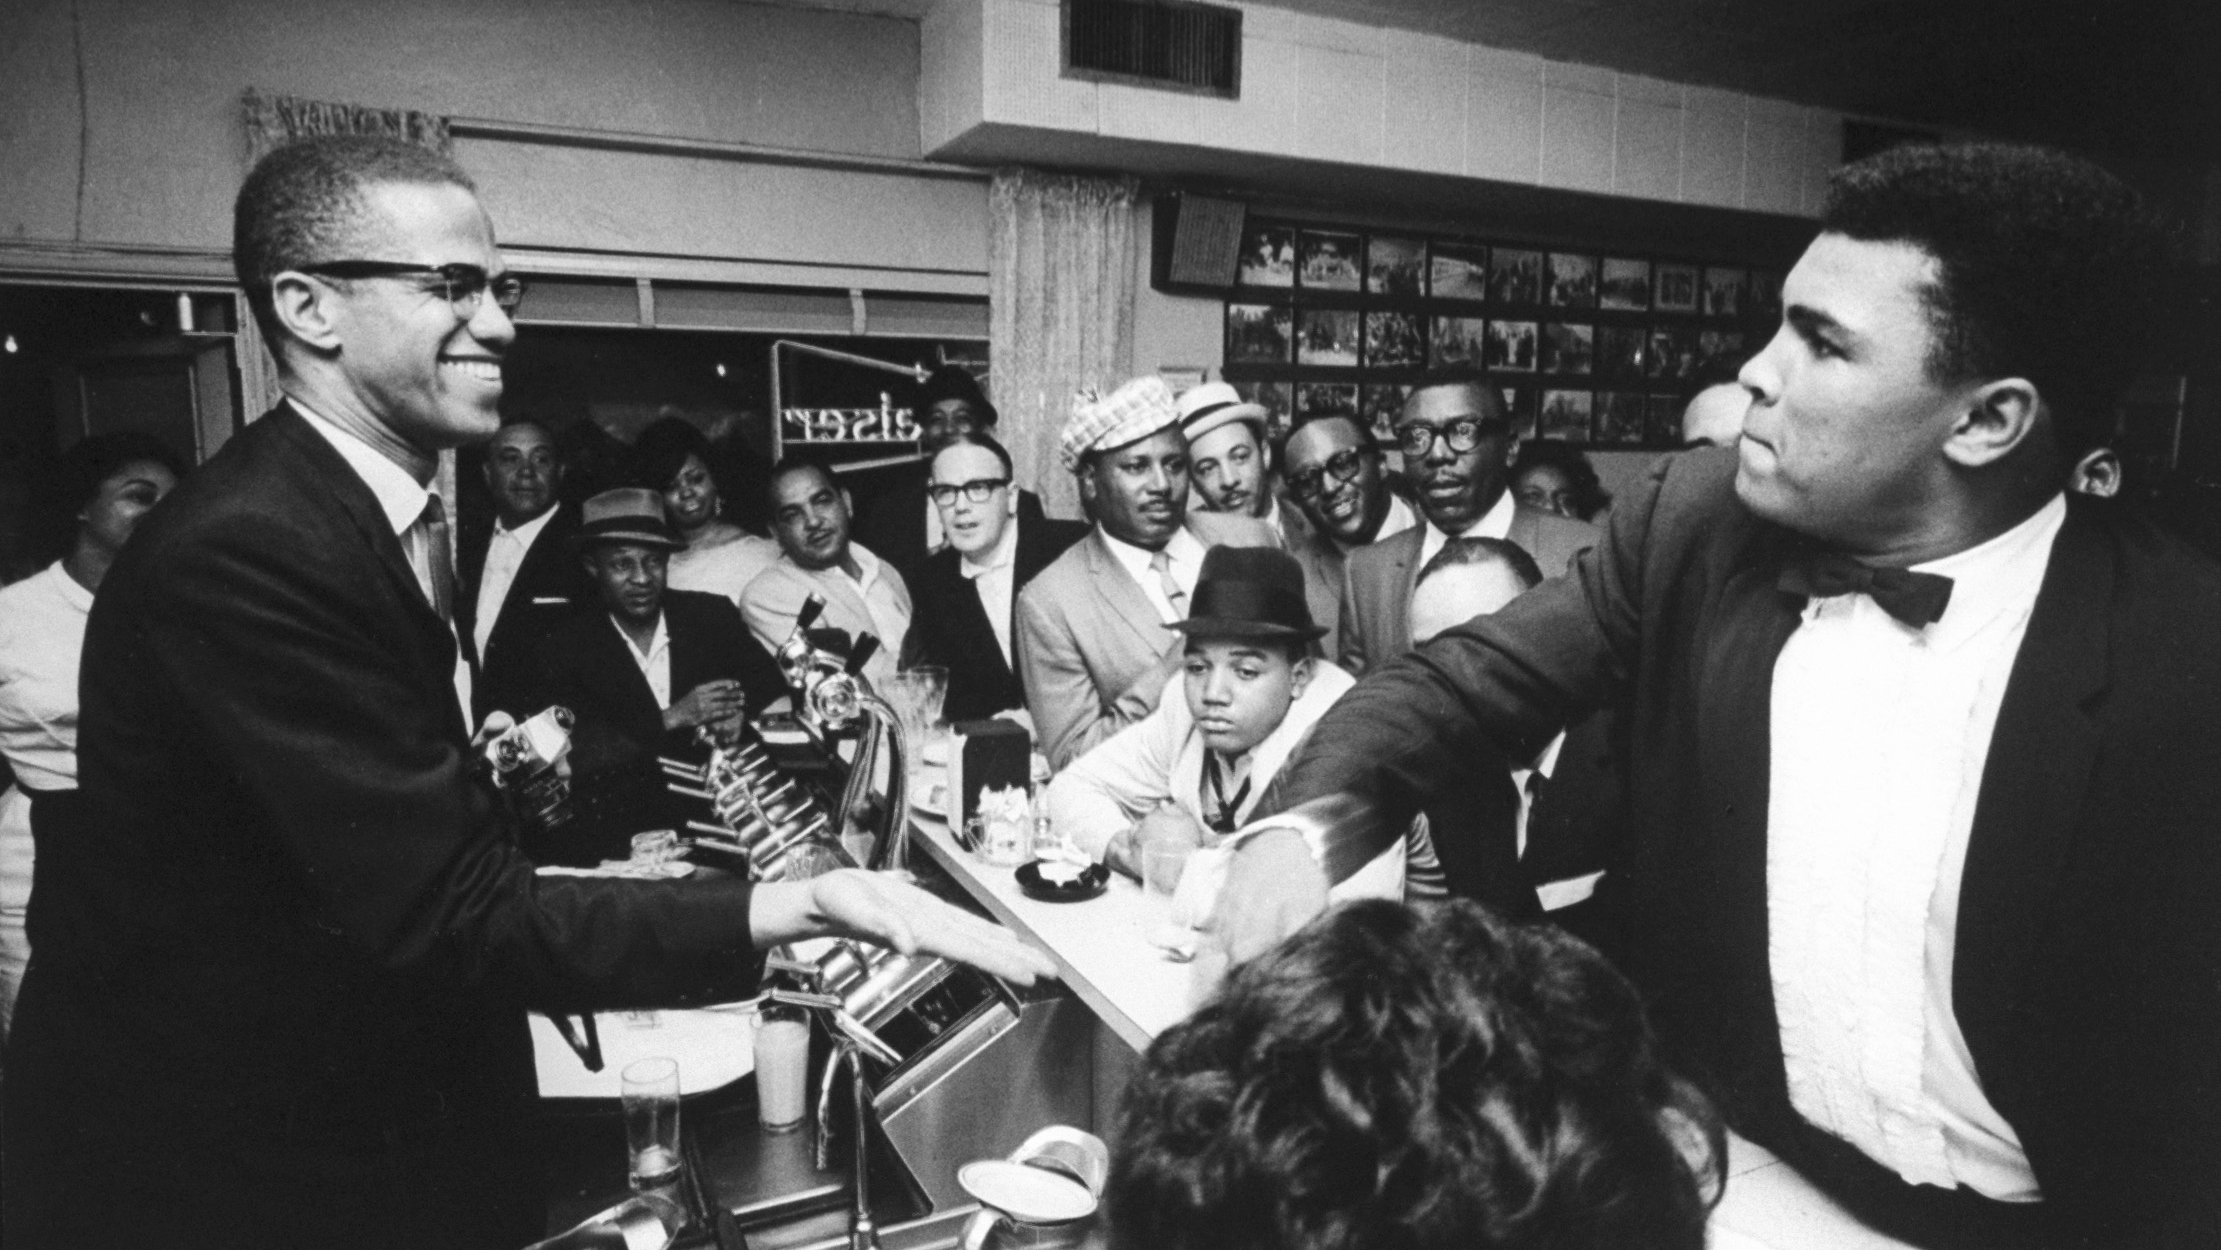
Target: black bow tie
{"points": [[1917, 599]]}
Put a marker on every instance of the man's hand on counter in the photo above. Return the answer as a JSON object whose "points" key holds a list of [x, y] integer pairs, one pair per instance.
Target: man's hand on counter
{"points": [[886, 909], [1274, 886]]}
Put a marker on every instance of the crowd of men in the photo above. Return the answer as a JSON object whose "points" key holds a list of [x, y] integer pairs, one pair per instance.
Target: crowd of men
{"points": [[1885, 775]]}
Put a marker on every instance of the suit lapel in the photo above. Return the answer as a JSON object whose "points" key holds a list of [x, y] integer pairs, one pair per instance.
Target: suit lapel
{"points": [[2040, 758], [1122, 599], [1395, 610]]}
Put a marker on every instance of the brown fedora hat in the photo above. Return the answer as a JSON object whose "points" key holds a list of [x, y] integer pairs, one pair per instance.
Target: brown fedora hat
{"points": [[1250, 592]]}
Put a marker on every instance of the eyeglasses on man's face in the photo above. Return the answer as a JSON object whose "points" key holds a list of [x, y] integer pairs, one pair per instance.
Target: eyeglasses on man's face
{"points": [[464, 286], [1463, 435], [978, 490], [1342, 466]]}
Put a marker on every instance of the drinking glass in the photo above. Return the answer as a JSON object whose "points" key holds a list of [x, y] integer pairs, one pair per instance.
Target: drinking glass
{"points": [[650, 1088], [932, 688], [1162, 862]]}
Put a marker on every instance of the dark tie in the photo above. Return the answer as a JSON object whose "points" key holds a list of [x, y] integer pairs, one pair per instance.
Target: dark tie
{"points": [[1917, 599], [1225, 821], [439, 556]]}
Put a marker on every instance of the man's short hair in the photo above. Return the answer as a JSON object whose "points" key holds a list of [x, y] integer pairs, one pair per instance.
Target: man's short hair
{"points": [[2046, 266], [798, 462], [1462, 375], [1417, 1076], [1363, 431], [980, 439], [1470, 549], [303, 204]]}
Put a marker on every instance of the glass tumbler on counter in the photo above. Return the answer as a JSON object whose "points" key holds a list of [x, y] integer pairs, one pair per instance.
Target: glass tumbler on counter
{"points": [[782, 1067], [1162, 862], [650, 1089]]}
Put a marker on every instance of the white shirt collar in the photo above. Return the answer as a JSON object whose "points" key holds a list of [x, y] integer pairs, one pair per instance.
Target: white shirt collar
{"points": [[1001, 556], [1136, 559], [660, 640], [529, 532], [1495, 523], [400, 496], [1996, 576]]}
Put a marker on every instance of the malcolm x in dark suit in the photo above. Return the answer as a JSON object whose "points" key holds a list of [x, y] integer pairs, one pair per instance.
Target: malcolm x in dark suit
{"points": [[281, 973], [520, 579], [1925, 754]]}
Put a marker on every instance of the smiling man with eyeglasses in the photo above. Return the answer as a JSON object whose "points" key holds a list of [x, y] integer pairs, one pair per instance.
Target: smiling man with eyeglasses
{"points": [[1457, 446], [966, 592]]}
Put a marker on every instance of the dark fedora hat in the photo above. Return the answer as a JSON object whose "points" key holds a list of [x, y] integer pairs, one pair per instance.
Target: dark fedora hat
{"points": [[629, 514], [1250, 592]]}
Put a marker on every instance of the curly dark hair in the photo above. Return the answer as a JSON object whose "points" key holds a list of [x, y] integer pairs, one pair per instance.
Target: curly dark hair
{"points": [[62, 494], [1589, 495], [2046, 267], [661, 451], [1415, 1076], [303, 203]]}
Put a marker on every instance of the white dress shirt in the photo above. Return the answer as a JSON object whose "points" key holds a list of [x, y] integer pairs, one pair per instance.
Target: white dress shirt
{"points": [[1185, 551], [504, 556], [1494, 523], [1880, 735], [655, 662], [994, 580], [401, 498], [42, 635]]}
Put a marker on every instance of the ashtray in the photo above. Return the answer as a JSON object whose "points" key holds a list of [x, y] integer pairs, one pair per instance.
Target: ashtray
{"points": [[1083, 884]]}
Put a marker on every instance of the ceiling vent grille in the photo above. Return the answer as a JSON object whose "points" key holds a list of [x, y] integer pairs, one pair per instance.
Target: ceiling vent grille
{"points": [[1170, 44]]}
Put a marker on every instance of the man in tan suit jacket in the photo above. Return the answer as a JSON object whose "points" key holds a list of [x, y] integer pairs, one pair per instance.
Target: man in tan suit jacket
{"points": [[1094, 638]]}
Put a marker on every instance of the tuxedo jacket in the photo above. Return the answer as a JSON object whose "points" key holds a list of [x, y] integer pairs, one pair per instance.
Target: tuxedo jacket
{"points": [[1091, 647], [949, 625], [2087, 965], [1378, 580], [283, 966], [588, 667], [893, 526], [551, 585]]}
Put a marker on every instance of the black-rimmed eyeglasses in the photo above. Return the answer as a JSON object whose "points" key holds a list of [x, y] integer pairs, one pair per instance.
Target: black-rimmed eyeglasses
{"points": [[1342, 466], [463, 285], [977, 490], [1463, 435]]}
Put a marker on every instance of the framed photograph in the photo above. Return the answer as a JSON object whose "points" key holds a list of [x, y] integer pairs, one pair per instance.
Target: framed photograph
{"points": [[1258, 334], [1326, 336], [1662, 420], [1765, 298], [1457, 271], [1514, 276], [1395, 340], [1382, 405], [1460, 340], [1625, 286], [1509, 345], [1318, 398], [1395, 266], [1565, 416], [1572, 280], [1619, 419], [1519, 405], [1568, 347], [1715, 345], [1673, 353], [1619, 351], [1723, 291], [1327, 260], [1278, 401], [1268, 256], [1676, 289]]}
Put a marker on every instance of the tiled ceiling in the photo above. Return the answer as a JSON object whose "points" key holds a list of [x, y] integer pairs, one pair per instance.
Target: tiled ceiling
{"points": [[2131, 77]]}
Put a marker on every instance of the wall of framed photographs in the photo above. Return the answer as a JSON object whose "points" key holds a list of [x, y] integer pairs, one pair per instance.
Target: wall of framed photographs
{"points": [[1594, 347]]}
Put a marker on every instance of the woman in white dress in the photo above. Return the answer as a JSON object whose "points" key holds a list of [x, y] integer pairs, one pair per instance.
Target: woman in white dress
{"points": [[101, 489], [673, 458]]}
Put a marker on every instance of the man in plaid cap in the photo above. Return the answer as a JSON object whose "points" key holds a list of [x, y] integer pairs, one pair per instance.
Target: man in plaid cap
{"points": [[1095, 637]]}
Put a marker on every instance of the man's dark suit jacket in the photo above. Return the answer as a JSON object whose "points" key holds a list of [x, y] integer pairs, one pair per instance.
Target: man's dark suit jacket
{"points": [[2087, 975], [587, 666], [282, 972], [949, 626], [893, 527], [551, 585]]}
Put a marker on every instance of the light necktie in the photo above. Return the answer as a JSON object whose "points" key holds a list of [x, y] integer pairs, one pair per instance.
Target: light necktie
{"points": [[439, 557], [1161, 564]]}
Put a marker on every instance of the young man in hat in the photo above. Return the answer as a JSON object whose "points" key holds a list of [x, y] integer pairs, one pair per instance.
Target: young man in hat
{"points": [[1094, 636], [1230, 463], [1247, 693], [653, 666]]}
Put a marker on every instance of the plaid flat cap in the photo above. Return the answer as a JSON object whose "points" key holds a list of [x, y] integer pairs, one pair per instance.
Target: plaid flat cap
{"points": [[1134, 411]]}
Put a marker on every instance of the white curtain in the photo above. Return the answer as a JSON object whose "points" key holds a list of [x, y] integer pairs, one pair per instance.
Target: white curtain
{"points": [[1061, 275]]}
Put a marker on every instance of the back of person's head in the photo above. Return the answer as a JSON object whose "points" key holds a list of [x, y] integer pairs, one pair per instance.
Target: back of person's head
{"points": [[661, 451], [1419, 1077], [1471, 549], [304, 204], [64, 494], [2046, 267]]}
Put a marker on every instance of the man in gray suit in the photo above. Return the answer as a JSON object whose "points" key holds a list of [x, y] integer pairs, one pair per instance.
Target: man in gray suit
{"points": [[1457, 445], [1094, 637]]}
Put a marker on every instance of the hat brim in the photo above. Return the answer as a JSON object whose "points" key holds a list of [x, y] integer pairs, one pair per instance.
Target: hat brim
{"points": [[1236, 627], [625, 536], [1254, 414]]}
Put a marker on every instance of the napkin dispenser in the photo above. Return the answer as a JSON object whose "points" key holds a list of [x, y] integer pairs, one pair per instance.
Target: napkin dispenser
{"points": [[984, 754]]}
